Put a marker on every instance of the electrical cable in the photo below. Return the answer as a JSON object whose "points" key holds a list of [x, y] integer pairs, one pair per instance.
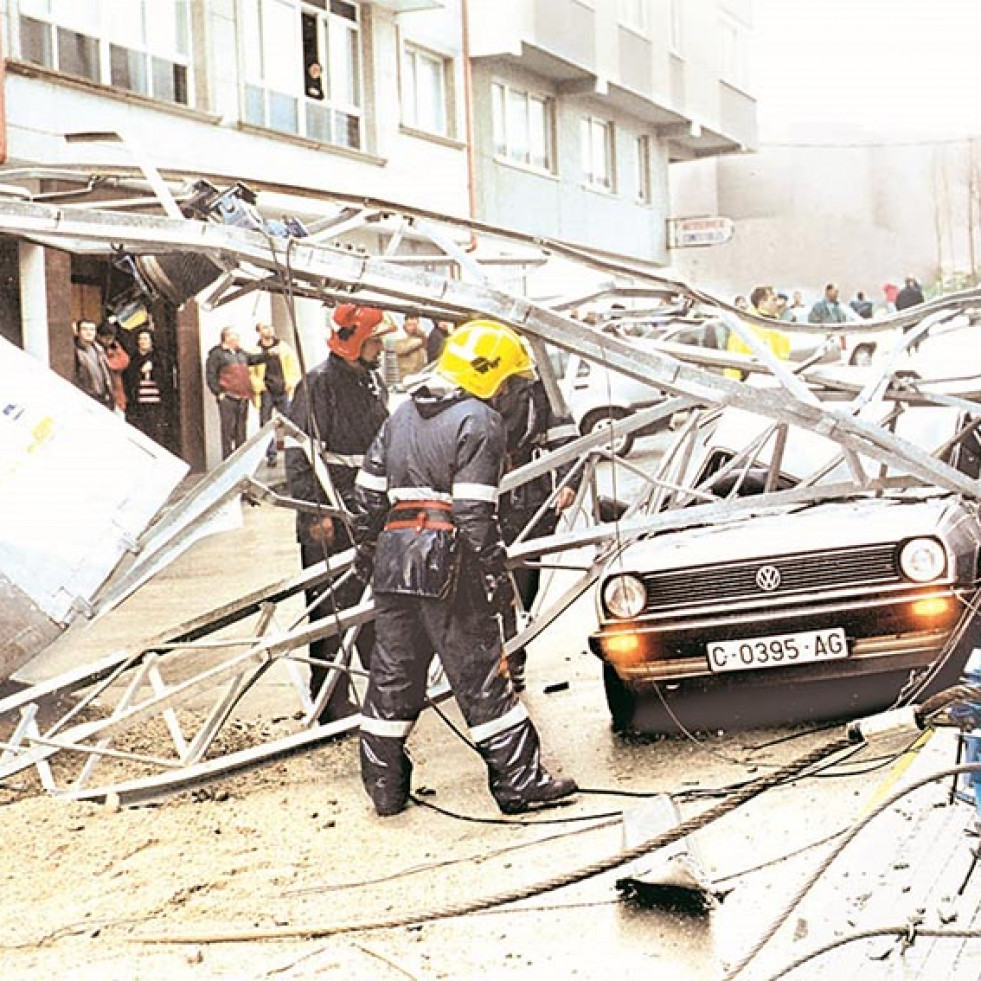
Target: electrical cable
{"points": [[467, 859], [474, 819], [464, 908], [690, 736], [779, 740]]}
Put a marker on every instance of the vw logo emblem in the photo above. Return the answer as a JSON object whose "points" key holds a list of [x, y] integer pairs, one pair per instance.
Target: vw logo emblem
{"points": [[768, 578]]}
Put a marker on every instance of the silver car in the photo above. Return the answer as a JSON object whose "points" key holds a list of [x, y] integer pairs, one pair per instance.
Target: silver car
{"points": [[817, 610]]}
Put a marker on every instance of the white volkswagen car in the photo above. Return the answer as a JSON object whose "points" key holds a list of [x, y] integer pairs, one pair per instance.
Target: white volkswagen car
{"points": [[807, 611]]}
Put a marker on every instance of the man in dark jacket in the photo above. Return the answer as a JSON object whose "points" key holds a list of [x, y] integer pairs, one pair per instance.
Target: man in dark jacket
{"points": [[227, 374], [92, 374], [341, 403], [427, 495], [437, 339], [828, 310], [532, 427], [910, 295]]}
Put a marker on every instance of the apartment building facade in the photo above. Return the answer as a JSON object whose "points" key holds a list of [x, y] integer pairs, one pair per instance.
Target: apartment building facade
{"points": [[553, 117]]}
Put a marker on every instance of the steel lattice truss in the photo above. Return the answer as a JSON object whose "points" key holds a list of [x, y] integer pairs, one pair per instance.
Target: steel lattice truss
{"points": [[153, 683]]}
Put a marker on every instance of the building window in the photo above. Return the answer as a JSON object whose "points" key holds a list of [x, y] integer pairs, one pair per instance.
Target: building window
{"points": [[523, 126], [633, 14], [735, 51], [642, 150], [596, 146], [424, 91], [138, 45], [302, 67]]}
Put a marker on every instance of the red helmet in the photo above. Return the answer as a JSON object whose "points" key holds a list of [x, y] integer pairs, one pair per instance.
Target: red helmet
{"points": [[352, 326]]}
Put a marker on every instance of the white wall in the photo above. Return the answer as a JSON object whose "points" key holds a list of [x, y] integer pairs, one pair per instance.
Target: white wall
{"points": [[860, 216]]}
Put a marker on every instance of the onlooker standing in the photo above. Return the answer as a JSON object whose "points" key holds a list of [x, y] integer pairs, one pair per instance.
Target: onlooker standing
{"points": [[828, 310], [118, 360], [796, 311], [227, 375], [761, 302], [275, 375], [92, 374], [437, 338], [409, 347], [889, 293], [910, 295], [861, 305], [149, 389]]}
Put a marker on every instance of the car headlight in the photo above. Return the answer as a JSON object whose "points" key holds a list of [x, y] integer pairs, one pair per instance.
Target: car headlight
{"points": [[922, 559], [624, 596]]}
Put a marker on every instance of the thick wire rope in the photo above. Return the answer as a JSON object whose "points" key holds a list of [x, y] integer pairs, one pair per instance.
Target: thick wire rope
{"points": [[907, 934], [825, 864], [465, 908]]}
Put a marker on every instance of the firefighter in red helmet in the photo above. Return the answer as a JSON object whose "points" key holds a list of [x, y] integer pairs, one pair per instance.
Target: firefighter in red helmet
{"points": [[341, 403], [427, 500]]}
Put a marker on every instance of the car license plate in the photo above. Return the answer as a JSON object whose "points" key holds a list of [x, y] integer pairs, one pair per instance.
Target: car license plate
{"points": [[778, 651]]}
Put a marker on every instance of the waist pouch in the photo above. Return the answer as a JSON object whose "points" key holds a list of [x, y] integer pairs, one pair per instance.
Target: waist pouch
{"points": [[417, 553]]}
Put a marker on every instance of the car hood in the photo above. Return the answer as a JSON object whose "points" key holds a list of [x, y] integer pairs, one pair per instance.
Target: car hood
{"points": [[819, 527]]}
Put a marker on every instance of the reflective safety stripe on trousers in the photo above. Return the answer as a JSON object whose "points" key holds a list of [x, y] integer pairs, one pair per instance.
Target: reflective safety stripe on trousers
{"points": [[387, 728], [509, 720]]}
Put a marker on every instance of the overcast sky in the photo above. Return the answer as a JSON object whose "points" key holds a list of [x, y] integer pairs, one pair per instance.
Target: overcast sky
{"points": [[867, 69]]}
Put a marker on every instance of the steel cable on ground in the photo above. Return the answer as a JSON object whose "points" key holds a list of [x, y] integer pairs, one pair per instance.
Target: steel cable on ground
{"points": [[668, 837], [908, 931], [825, 864]]}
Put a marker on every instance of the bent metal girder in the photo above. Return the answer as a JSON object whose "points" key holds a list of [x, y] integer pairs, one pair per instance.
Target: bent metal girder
{"points": [[224, 668], [338, 272]]}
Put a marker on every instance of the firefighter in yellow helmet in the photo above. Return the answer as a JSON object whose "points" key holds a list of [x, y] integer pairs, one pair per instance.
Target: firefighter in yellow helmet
{"points": [[426, 496]]}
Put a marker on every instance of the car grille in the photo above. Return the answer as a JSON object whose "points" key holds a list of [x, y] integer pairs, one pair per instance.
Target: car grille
{"points": [[811, 572]]}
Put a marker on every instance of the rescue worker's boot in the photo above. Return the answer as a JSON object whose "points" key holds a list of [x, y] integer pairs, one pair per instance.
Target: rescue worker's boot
{"points": [[515, 773], [386, 772]]}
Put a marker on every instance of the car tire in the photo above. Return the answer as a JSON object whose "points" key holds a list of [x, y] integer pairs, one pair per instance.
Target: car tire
{"points": [[622, 445], [620, 699], [862, 355]]}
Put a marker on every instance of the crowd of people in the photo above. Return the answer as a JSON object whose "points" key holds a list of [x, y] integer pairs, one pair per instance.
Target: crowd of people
{"points": [[829, 307], [129, 377]]}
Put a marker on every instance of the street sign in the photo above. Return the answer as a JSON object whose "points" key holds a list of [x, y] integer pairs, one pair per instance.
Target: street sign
{"points": [[684, 233]]}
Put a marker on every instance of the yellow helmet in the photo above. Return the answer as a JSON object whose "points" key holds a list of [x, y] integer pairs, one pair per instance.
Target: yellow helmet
{"points": [[481, 355]]}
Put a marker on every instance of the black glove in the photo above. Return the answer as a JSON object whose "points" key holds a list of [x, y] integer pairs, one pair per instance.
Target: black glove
{"points": [[364, 563], [500, 594]]}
